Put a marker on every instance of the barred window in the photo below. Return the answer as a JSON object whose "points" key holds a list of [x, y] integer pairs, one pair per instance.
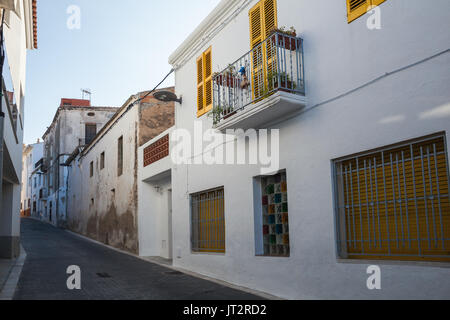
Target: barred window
{"points": [[393, 203], [208, 221]]}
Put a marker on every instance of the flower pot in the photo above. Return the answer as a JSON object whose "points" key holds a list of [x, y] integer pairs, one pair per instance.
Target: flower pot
{"points": [[225, 116], [286, 42], [228, 81]]}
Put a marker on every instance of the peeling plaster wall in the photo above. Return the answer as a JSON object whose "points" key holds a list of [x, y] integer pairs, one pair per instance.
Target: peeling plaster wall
{"points": [[103, 207], [155, 117]]}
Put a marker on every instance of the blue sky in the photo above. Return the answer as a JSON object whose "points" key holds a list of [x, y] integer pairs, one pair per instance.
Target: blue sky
{"points": [[121, 48]]}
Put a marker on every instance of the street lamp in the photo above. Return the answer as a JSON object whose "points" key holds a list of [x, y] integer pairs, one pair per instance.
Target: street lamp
{"points": [[167, 96]]}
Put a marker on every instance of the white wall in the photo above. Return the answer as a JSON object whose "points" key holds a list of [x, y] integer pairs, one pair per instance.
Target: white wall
{"points": [[63, 138], [154, 195], [339, 57], [16, 46], [111, 217]]}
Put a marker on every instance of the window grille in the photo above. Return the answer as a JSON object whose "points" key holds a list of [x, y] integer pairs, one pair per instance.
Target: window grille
{"points": [[393, 203], [208, 221]]}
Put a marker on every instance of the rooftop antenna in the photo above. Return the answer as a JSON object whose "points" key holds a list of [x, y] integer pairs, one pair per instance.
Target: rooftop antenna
{"points": [[86, 93]]}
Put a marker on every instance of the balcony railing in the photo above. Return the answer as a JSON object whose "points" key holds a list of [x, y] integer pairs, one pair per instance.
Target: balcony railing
{"points": [[274, 65]]}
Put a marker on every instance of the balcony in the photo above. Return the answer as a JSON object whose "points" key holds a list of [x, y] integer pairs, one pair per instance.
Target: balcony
{"points": [[263, 86]]}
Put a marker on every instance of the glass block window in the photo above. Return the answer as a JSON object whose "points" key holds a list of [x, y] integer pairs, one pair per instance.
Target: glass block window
{"points": [[275, 215]]}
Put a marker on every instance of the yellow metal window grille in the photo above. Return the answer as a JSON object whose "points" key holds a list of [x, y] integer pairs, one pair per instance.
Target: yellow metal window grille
{"points": [[394, 204], [208, 221]]}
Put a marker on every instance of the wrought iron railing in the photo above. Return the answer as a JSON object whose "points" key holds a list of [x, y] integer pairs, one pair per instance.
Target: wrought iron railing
{"points": [[274, 65]]}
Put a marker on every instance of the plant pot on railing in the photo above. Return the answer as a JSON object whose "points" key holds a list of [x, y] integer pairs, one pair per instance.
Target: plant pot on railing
{"points": [[286, 39], [227, 81], [220, 113], [282, 82]]}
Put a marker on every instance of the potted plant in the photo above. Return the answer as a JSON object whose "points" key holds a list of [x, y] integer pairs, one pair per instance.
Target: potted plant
{"points": [[218, 112], [286, 38], [286, 84], [228, 78]]}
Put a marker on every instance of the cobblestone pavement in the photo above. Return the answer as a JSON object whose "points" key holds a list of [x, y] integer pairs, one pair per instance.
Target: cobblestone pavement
{"points": [[50, 251]]}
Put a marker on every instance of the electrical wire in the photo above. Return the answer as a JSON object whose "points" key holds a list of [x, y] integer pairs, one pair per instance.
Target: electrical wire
{"points": [[154, 89]]}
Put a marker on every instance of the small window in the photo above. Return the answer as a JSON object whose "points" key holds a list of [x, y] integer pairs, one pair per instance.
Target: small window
{"points": [[358, 8], [102, 160], [90, 133], [91, 169], [120, 156], [393, 203], [208, 221]]}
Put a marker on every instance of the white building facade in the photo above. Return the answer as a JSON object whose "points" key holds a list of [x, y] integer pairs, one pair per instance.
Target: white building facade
{"points": [[357, 109], [75, 124], [32, 181], [20, 35]]}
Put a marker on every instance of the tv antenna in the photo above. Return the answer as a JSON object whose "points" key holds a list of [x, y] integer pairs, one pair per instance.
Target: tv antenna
{"points": [[86, 93]]}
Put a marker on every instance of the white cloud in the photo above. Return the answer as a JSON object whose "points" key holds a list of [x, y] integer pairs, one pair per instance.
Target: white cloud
{"points": [[438, 112], [392, 119]]}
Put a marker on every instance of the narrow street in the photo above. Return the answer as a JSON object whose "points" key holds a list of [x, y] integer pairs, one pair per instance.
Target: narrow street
{"points": [[105, 273]]}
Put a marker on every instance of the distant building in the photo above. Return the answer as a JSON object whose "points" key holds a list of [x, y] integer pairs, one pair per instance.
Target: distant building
{"points": [[20, 35], [103, 175], [32, 180], [75, 124]]}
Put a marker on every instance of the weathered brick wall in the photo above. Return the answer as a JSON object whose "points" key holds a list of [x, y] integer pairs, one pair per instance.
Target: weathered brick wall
{"points": [[155, 117]]}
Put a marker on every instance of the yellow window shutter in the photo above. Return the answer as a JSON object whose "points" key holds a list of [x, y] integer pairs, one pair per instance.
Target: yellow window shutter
{"points": [[357, 8], [256, 25], [200, 86], [377, 2], [269, 16], [207, 60]]}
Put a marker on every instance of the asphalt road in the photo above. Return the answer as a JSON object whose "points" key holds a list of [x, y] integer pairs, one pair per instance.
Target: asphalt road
{"points": [[105, 273]]}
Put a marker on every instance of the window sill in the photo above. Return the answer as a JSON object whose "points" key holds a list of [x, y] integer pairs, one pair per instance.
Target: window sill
{"points": [[208, 253], [269, 256], [395, 263]]}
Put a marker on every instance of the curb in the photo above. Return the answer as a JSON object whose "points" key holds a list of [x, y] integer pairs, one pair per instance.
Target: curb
{"points": [[9, 288]]}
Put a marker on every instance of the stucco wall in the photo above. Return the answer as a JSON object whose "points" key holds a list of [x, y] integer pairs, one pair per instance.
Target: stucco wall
{"points": [[155, 197], [339, 57], [103, 207], [64, 135]]}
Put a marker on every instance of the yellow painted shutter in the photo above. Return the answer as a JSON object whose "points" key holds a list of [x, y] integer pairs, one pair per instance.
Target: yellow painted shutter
{"points": [[377, 2], [204, 83], [263, 18], [270, 22], [356, 8], [207, 60], [256, 25], [200, 87], [270, 17]]}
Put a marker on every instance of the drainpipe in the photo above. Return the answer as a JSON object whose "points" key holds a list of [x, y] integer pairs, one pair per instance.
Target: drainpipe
{"points": [[2, 114]]}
